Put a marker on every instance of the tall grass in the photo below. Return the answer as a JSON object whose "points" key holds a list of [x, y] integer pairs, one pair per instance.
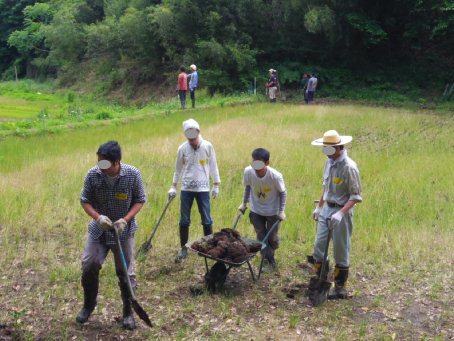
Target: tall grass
{"points": [[405, 221]]}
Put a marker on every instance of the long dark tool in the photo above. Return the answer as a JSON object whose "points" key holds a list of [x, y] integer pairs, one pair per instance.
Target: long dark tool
{"points": [[135, 305], [147, 245], [237, 219], [319, 287]]}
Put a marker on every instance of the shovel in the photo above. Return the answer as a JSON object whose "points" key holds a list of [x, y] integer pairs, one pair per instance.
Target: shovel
{"points": [[319, 287], [135, 305], [147, 245]]}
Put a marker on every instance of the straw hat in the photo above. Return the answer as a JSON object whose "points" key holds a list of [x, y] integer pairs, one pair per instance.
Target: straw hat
{"points": [[193, 67], [332, 138]]}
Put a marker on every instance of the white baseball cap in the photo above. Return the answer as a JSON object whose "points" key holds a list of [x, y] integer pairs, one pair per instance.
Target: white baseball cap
{"points": [[191, 128]]}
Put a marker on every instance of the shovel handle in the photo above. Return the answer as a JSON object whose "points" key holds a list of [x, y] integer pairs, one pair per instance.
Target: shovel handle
{"points": [[169, 200], [124, 265]]}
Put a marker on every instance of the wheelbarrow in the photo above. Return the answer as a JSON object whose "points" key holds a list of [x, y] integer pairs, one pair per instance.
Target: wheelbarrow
{"points": [[224, 266]]}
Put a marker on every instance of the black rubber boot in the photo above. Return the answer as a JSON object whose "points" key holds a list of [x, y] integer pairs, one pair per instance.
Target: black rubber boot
{"points": [[184, 237], [207, 230], [318, 269], [128, 321], [340, 279], [193, 103], [90, 286]]}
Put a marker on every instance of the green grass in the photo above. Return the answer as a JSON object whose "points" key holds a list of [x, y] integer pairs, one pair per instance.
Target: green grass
{"points": [[401, 241]]}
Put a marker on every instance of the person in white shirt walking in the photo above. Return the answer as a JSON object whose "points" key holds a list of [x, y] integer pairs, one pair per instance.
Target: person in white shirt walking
{"points": [[195, 164], [341, 192], [264, 187]]}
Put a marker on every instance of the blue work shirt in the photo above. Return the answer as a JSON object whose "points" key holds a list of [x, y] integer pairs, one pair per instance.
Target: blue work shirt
{"points": [[194, 80]]}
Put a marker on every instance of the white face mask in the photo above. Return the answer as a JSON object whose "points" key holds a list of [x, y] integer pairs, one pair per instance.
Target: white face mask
{"points": [[258, 164], [104, 164], [328, 150]]}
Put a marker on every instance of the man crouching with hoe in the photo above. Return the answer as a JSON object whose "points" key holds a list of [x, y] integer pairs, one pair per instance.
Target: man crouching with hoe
{"points": [[112, 195]]}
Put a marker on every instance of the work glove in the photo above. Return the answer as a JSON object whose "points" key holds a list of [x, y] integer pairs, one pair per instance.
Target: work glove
{"points": [[104, 222], [316, 213], [336, 218], [242, 208], [281, 215], [215, 191], [120, 225], [172, 192]]}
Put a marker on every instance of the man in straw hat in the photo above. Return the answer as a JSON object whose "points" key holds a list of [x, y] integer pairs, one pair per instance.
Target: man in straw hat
{"points": [[341, 191], [195, 164]]}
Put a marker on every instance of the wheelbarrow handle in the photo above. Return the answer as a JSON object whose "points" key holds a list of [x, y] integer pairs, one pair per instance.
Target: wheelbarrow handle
{"points": [[267, 236], [237, 219]]}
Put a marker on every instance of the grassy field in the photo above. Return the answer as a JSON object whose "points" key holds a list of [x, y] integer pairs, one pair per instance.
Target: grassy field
{"points": [[402, 263]]}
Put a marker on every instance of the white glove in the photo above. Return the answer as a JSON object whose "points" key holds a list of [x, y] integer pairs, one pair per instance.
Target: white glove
{"points": [[242, 207], [215, 191], [336, 218], [104, 222], [281, 215], [316, 213], [120, 225], [172, 192]]}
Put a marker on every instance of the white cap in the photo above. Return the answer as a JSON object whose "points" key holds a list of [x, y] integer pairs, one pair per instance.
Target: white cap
{"points": [[193, 67], [191, 128]]}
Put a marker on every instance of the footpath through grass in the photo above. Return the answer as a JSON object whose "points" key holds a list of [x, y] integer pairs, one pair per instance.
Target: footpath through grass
{"points": [[402, 266]]}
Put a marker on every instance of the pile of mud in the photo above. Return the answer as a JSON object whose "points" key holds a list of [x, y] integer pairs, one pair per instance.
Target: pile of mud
{"points": [[227, 245]]}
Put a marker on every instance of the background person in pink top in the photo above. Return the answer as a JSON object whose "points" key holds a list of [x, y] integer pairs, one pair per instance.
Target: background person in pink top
{"points": [[182, 86]]}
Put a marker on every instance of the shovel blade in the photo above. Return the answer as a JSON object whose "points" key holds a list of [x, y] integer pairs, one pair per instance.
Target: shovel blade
{"points": [[141, 313], [318, 291]]}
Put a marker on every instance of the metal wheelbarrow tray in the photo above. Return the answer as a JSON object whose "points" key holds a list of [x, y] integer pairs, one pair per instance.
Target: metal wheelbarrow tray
{"points": [[231, 264], [227, 262]]}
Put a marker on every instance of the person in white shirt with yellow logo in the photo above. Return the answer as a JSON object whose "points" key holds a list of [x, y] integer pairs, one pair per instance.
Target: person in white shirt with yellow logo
{"points": [[195, 164], [341, 191], [264, 187]]}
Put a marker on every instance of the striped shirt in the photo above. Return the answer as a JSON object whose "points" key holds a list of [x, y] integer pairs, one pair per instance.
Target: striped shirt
{"points": [[113, 200]]}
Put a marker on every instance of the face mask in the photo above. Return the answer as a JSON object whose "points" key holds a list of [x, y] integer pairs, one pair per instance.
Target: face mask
{"points": [[191, 133], [258, 164], [104, 164], [328, 150]]}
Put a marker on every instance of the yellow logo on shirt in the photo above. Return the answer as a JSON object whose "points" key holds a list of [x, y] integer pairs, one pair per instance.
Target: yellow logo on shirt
{"points": [[267, 189], [337, 181], [121, 196], [203, 162]]}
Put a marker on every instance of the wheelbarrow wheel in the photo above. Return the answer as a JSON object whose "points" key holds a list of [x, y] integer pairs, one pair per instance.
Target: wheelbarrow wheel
{"points": [[216, 277]]}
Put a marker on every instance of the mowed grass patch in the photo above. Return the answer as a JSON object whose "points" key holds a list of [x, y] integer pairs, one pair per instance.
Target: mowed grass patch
{"points": [[400, 255]]}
